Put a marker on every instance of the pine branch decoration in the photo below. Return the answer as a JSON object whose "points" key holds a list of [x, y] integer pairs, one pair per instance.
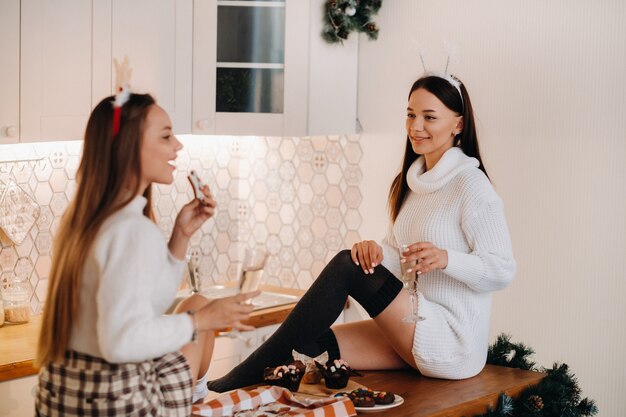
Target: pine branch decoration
{"points": [[557, 395], [345, 16], [511, 355]]}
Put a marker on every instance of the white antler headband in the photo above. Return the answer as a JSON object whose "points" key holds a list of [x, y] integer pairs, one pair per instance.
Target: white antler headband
{"points": [[452, 50]]}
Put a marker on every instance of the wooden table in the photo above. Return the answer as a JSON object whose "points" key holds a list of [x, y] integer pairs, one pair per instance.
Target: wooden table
{"points": [[428, 397], [18, 342]]}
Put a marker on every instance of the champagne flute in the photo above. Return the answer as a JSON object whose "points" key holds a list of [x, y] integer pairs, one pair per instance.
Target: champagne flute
{"points": [[410, 283], [250, 277]]}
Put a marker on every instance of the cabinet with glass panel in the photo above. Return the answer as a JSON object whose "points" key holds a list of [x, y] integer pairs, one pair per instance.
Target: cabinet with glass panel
{"points": [[261, 68]]}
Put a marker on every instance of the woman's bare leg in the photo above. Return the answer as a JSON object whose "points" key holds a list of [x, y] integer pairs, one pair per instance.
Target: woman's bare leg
{"points": [[199, 352], [388, 341]]}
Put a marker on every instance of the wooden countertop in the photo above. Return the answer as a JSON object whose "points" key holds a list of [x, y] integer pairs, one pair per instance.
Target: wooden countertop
{"points": [[18, 342], [428, 397]]}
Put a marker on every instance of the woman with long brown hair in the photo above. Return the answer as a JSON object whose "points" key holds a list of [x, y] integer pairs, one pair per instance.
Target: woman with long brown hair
{"points": [[441, 205], [106, 347]]}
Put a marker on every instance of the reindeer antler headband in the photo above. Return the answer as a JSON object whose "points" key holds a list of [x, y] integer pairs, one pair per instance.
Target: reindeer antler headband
{"points": [[444, 74], [122, 89]]}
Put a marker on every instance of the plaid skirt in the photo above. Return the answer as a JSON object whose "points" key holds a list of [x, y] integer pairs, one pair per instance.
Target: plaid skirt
{"points": [[84, 385]]}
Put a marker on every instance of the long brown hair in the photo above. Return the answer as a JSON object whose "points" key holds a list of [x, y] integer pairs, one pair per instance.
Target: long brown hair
{"points": [[109, 169], [467, 140]]}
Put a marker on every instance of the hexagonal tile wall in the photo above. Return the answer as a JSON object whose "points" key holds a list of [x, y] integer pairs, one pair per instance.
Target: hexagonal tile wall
{"points": [[299, 197]]}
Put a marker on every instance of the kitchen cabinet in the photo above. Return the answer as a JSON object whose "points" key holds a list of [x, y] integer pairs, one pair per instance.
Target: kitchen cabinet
{"points": [[230, 352], [10, 73], [55, 68], [18, 396], [156, 35], [59, 64], [65, 61], [262, 68]]}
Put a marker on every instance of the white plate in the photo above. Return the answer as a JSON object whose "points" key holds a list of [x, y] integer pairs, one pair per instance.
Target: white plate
{"points": [[398, 400]]}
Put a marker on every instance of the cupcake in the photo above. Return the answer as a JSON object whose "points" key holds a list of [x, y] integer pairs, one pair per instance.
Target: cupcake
{"points": [[336, 374], [286, 376]]}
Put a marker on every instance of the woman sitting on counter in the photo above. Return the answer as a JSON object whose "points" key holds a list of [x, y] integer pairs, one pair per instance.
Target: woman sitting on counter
{"points": [[443, 206], [106, 348]]}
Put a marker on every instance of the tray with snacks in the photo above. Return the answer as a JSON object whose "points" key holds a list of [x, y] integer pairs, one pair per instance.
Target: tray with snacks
{"points": [[308, 377]]}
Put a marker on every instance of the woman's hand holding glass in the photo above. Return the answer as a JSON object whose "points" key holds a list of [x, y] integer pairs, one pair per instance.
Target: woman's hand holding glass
{"points": [[428, 257], [417, 259], [408, 266], [249, 281], [226, 312]]}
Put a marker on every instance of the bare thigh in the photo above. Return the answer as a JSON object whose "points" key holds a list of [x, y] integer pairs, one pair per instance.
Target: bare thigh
{"points": [[380, 343], [198, 354]]}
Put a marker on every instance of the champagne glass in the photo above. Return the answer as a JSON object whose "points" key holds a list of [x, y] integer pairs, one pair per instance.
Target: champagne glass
{"points": [[250, 277], [410, 283]]}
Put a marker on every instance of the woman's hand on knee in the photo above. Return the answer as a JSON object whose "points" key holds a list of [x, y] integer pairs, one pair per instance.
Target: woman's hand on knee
{"points": [[226, 312], [367, 254]]}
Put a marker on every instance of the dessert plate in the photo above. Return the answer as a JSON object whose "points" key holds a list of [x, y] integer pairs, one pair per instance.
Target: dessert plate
{"points": [[396, 402]]}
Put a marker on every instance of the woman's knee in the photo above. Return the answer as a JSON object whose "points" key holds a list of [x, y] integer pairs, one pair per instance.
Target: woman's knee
{"points": [[193, 302], [343, 259]]}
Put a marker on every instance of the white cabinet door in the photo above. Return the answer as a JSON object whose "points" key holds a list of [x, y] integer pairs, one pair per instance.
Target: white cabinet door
{"points": [[238, 67], [18, 396], [318, 92], [9, 71], [156, 35], [226, 356], [56, 69], [333, 81]]}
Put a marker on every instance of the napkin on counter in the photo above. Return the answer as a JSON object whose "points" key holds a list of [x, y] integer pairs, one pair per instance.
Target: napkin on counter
{"points": [[273, 401]]}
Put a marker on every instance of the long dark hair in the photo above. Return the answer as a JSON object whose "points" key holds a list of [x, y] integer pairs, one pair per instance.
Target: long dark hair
{"points": [[108, 168], [467, 140]]}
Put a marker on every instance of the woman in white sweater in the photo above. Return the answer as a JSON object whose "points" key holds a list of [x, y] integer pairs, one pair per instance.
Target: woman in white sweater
{"points": [[106, 347], [441, 204]]}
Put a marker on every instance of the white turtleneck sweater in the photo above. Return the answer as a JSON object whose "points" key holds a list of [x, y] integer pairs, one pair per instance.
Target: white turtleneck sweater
{"points": [[454, 207], [129, 279]]}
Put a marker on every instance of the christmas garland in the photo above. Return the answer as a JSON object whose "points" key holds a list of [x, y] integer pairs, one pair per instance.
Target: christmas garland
{"points": [[345, 16], [558, 394]]}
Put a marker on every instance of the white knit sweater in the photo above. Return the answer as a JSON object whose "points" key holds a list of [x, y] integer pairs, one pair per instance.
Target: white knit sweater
{"points": [[130, 278], [453, 206]]}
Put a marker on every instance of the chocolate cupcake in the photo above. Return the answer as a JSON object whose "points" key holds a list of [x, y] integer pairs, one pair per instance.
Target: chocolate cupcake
{"points": [[337, 374], [286, 376]]}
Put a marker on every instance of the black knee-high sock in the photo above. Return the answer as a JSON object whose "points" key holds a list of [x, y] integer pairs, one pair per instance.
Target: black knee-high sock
{"points": [[306, 329]]}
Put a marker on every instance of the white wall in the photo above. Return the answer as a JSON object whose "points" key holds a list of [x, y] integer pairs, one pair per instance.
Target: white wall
{"points": [[548, 84]]}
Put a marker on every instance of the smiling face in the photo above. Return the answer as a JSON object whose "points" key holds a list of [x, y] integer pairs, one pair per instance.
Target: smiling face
{"points": [[431, 126], [158, 149]]}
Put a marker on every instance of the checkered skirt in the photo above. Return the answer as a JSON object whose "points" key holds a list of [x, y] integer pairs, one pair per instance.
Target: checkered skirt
{"points": [[83, 385]]}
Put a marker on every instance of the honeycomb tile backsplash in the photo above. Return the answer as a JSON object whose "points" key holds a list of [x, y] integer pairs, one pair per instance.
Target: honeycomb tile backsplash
{"points": [[300, 197]]}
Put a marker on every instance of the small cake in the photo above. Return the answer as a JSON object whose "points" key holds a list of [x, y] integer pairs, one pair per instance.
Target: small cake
{"points": [[365, 397], [358, 401], [312, 377], [337, 374], [286, 376], [383, 397], [312, 374]]}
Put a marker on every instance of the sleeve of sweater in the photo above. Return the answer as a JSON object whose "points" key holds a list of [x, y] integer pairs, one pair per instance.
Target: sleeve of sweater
{"points": [[133, 259], [490, 265], [391, 257]]}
